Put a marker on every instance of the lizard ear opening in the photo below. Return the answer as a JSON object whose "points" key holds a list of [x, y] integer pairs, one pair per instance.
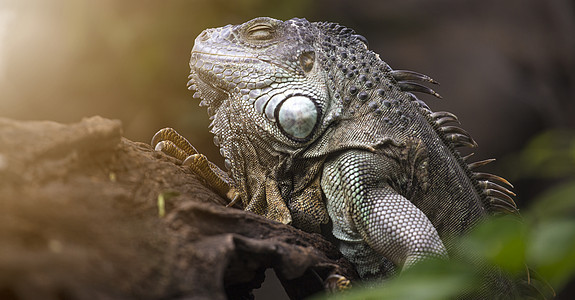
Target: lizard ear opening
{"points": [[306, 61], [297, 117]]}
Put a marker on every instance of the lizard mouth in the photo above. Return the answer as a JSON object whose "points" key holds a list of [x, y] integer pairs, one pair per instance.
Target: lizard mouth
{"points": [[227, 70], [198, 58]]}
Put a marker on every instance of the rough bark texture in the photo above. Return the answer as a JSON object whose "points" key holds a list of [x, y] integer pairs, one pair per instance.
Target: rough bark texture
{"points": [[80, 219]]}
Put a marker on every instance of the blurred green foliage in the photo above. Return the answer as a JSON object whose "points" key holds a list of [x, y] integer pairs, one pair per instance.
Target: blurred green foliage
{"points": [[552, 216], [543, 239], [549, 155]]}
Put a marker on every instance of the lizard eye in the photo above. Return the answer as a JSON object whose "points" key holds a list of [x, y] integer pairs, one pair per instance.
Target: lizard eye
{"points": [[306, 61], [260, 32], [297, 116]]}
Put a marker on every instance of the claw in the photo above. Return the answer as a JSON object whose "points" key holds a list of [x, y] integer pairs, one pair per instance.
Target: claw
{"points": [[337, 283], [234, 197], [169, 148], [169, 134]]}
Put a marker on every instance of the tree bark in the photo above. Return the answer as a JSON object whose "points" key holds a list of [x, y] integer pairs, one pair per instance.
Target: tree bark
{"points": [[88, 214]]}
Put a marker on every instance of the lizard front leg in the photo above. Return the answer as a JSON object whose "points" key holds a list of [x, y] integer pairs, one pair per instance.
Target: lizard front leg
{"points": [[367, 213], [170, 142]]}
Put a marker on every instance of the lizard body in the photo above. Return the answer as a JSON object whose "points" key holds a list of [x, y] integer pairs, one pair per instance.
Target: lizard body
{"points": [[317, 130]]}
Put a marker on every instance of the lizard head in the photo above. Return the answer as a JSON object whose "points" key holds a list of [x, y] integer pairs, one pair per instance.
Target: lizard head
{"points": [[264, 70]]}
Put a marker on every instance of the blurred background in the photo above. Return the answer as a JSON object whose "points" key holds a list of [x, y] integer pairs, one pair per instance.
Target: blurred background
{"points": [[506, 68]]}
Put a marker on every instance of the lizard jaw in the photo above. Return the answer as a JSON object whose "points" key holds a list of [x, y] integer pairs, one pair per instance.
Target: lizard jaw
{"points": [[205, 91]]}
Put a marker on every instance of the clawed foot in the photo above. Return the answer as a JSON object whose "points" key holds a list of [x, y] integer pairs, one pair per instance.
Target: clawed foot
{"points": [[170, 142], [337, 283]]}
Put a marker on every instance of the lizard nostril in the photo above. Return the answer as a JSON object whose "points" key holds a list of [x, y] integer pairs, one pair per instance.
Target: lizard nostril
{"points": [[204, 36]]}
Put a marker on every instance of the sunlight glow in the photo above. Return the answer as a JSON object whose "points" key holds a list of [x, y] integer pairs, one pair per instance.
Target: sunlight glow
{"points": [[6, 16]]}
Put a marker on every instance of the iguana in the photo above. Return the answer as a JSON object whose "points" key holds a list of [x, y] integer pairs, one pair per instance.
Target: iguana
{"points": [[318, 132]]}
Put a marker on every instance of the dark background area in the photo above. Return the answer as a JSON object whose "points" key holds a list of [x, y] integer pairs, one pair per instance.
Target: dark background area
{"points": [[506, 67]]}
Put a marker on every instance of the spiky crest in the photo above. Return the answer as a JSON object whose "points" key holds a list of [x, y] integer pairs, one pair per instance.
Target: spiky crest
{"points": [[496, 197]]}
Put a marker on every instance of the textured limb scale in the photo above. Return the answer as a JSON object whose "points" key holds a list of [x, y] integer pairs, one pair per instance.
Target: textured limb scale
{"points": [[386, 221]]}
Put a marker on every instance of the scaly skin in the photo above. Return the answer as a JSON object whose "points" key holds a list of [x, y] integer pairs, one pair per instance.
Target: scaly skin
{"points": [[316, 129]]}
